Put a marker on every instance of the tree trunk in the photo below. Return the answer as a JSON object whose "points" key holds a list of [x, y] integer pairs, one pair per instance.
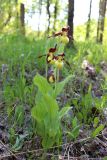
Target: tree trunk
{"points": [[17, 15], [55, 14], [88, 22], [100, 25], [40, 11], [70, 20], [22, 18], [49, 15]]}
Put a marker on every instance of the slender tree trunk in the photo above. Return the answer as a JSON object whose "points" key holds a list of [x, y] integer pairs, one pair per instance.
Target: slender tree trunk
{"points": [[40, 11], [88, 22], [17, 15], [49, 15], [22, 18], [7, 21], [55, 14], [70, 20], [100, 25]]}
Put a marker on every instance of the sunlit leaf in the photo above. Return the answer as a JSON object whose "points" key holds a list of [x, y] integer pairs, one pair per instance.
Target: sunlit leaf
{"points": [[97, 130], [42, 84]]}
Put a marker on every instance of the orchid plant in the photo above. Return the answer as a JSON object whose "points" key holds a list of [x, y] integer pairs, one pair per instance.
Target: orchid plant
{"points": [[55, 59], [46, 112]]}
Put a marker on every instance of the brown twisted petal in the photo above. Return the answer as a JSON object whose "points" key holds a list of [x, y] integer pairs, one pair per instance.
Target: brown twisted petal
{"points": [[62, 54], [64, 29], [59, 56], [53, 49], [56, 34], [67, 63], [41, 56]]}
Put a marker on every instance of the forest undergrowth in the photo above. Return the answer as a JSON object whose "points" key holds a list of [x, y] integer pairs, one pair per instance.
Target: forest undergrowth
{"points": [[62, 118]]}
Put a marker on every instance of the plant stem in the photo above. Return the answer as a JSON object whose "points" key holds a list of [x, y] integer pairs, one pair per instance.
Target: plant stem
{"points": [[58, 75], [55, 78], [46, 70]]}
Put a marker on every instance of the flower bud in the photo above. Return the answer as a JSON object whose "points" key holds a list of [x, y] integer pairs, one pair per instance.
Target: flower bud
{"points": [[51, 79]]}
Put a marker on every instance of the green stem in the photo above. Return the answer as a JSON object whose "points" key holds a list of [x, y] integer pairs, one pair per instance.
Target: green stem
{"points": [[46, 67], [58, 75], [46, 70], [55, 78]]}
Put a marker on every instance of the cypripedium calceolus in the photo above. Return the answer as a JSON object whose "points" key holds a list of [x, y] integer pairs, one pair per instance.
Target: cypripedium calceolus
{"points": [[50, 55], [63, 35], [53, 59], [59, 61]]}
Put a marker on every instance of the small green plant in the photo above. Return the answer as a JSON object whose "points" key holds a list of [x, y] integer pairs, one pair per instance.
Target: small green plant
{"points": [[97, 127], [85, 106], [46, 112], [19, 142], [19, 115], [97, 130], [73, 134], [105, 158]]}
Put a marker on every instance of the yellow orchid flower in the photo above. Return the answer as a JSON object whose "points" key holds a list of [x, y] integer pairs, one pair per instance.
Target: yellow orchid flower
{"points": [[59, 64]]}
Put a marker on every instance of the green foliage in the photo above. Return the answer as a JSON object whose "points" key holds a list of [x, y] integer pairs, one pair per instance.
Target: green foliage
{"points": [[42, 84], [97, 130], [75, 129], [21, 56], [105, 158], [87, 107], [96, 121], [47, 113], [19, 142], [60, 86], [19, 115], [84, 107], [12, 135]]}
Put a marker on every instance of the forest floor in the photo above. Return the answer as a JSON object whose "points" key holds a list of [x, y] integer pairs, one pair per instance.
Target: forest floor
{"points": [[18, 142]]}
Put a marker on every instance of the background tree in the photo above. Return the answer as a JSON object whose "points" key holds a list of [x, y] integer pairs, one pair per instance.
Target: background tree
{"points": [[22, 18], [56, 6], [17, 14], [88, 22], [40, 12], [5, 13], [70, 20], [49, 15], [101, 19]]}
